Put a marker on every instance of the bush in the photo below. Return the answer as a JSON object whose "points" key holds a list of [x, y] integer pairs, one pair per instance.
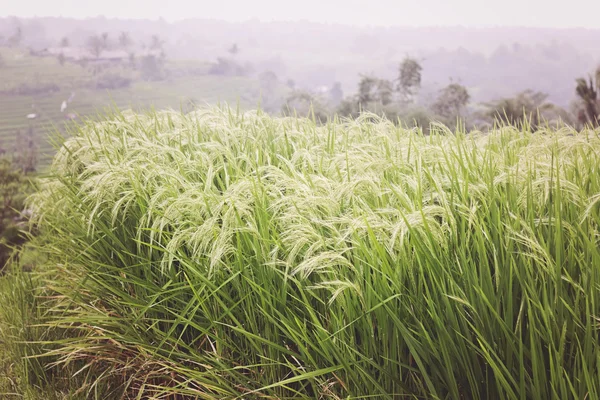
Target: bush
{"points": [[14, 188], [26, 367], [220, 255]]}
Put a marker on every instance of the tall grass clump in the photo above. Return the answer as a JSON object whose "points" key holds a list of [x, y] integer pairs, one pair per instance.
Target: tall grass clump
{"points": [[235, 255]]}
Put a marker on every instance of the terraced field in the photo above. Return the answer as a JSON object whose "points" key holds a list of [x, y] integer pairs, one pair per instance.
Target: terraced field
{"points": [[88, 103], [175, 93]]}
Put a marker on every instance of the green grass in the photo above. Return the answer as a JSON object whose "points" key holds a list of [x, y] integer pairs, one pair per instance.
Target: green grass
{"points": [[229, 255], [23, 373]]}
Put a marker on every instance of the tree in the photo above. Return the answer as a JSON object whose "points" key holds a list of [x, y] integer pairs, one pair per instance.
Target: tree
{"points": [[303, 104], [132, 59], [15, 39], [156, 43], [528, 107], [104, 38], [268, 81], [95, 45], [25, 152], [125, 40], [452, 99], [14, 188], [587, 91], [385, 91], [367, 89], [64, 42], [409, 78], [61, 59], [151, 68], [336, 94], [234, 49], [371, 89]]}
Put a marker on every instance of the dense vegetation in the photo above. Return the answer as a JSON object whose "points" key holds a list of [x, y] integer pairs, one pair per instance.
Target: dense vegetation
{"points": [[53, 72], [229, 255]]}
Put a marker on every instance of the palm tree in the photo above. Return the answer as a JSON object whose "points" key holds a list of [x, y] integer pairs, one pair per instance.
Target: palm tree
{"points": [[587, 91]]}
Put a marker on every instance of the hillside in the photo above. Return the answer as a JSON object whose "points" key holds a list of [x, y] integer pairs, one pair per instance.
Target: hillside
{"points": [[52, 83]]}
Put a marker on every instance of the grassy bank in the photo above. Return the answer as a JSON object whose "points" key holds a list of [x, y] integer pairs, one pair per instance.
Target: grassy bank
{"points": [[225, 255]]}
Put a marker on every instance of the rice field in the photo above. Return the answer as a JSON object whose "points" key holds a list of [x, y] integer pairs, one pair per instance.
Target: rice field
{"points": [[96, 103], [87, 102], [228, 254]]}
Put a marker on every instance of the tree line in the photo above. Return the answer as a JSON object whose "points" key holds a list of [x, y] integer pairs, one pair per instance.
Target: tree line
{"points": [[398, 100]]}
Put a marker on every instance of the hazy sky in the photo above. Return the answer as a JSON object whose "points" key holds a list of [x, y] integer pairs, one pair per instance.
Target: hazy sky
{"points": [[548, 13]]}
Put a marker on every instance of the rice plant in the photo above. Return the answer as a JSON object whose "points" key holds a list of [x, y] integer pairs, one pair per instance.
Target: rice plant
{"points": [[222, 254]]}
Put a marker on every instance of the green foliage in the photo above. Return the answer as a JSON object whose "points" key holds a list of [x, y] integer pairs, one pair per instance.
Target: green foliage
{"points": [[25, 152], [409, 78], [303, 104], [367, 89], [104, 40], [95, 45], [451, 101], [125, 40], [156, 43], [268, 81], [336, 93], [14, 187], [385, 91], [374, 90], [587, 91], [527, 108], [26, 370], [61, 59], [228, 255]]}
